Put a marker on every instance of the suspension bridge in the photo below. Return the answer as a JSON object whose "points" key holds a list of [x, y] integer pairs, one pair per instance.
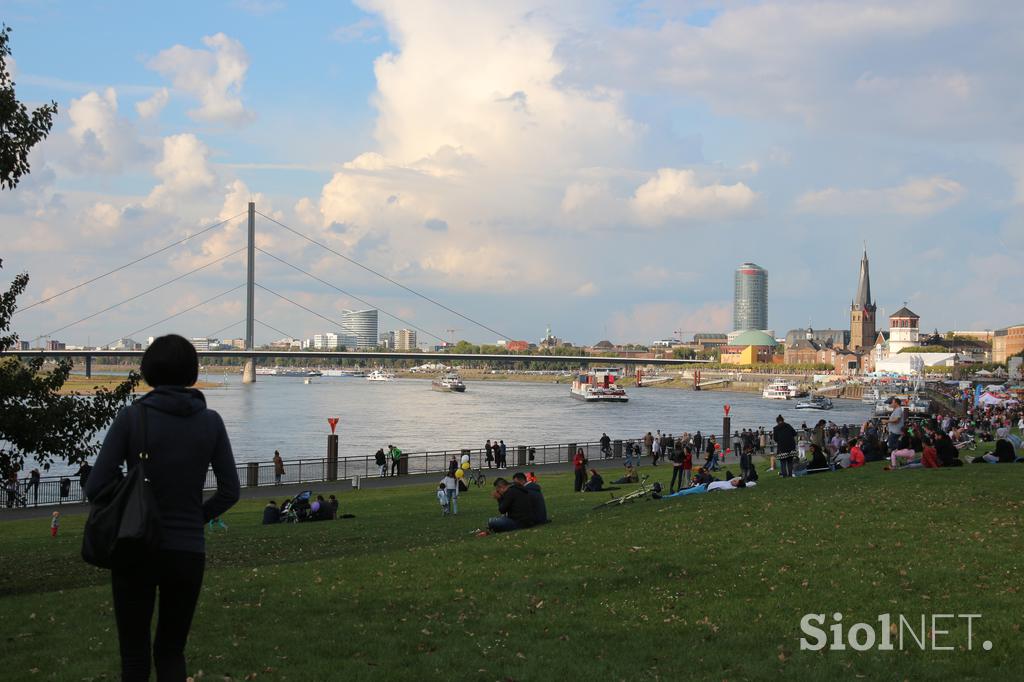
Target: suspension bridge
{"points": [[250, 353]]}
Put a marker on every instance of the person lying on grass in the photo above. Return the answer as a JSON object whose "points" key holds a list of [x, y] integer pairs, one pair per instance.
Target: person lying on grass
{"points": [[630, 477], [514, 507], [734, 483]]}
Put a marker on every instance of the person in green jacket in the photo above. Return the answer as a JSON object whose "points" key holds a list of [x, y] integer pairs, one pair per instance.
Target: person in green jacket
{"points": [[396, 456]]}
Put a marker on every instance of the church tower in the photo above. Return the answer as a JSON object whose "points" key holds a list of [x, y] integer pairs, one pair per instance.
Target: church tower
{"points": [[862, 311]]}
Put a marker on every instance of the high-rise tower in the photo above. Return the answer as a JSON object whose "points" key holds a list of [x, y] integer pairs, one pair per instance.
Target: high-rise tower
{"points": [[750, 299], [863, 330]]}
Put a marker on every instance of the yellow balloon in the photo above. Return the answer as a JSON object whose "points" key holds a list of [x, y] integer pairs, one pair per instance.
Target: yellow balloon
{"points": [[459, 473], [465, 465]]}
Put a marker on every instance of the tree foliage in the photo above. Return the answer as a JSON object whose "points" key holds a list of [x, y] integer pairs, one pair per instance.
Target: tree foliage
{"points": [[20, 129], [36, 420]]}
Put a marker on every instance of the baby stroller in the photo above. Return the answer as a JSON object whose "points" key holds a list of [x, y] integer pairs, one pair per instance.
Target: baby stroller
{"points": [[297, 509]]}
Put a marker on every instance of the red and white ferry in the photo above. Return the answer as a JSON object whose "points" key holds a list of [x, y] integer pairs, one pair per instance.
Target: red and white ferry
{"points": [[598, 386]]}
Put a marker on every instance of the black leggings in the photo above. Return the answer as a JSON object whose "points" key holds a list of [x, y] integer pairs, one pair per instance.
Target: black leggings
{"points": [[580, 481], [677, 472], [179, 577]]}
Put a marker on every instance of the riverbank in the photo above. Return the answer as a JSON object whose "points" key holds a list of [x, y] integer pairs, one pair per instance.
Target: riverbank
{"points": [[82, 385]]}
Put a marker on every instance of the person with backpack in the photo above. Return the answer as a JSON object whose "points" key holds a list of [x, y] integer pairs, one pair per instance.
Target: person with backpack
{"points": [[183, 439], [396, 457]]}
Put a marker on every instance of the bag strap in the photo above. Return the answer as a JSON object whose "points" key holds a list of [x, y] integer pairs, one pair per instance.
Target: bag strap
{"points": [[144, 453]]}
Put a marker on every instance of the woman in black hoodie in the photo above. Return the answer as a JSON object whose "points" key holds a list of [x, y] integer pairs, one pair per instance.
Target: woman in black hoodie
{"points": [[183, 440]]}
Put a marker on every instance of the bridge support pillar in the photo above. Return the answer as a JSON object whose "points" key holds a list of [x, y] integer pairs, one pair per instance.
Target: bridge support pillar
{"points": [[249, 372], [88, 367]]}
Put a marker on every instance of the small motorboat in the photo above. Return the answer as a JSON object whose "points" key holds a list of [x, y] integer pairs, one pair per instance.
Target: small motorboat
{"points": [[815, 403]]}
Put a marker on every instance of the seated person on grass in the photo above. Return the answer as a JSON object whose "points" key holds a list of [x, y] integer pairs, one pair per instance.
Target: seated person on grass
{"points": [[856, 454], [514, 507], [271, 514], [630, 477], [537, 503], [1003, 454], [904, 450], [595, 484]]}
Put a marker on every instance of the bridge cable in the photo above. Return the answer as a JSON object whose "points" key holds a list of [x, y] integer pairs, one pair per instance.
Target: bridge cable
{"points": [[186, 310], [272, 328], [147, 291], [308, 310], [213, 334], [126, 265], [350, 295], [386, 278]]}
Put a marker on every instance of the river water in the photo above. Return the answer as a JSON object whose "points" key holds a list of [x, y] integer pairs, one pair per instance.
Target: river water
{"points": [[285, 414]]}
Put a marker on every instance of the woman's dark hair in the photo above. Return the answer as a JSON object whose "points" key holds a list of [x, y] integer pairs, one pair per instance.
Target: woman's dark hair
{"points": [[170, 361]]}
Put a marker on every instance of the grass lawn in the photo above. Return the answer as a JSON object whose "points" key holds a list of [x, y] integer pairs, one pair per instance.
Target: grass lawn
{"points": [[709, 587]]}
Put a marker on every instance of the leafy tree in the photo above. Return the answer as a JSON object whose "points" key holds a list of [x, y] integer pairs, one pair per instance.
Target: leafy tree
{"points": [[20, 130], [35, 419]]}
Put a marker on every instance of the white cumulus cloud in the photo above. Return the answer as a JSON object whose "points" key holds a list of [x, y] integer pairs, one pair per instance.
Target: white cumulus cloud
{"points": [[214, 76], [183, 170], [151, 107], [916, 197], [676, 194], [101, 140]]}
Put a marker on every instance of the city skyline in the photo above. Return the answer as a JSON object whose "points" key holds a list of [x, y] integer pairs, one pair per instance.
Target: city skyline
{"points": [[443, 160]]}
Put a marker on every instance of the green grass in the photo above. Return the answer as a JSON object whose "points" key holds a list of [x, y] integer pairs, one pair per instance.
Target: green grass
{"points": [[709, 587]]}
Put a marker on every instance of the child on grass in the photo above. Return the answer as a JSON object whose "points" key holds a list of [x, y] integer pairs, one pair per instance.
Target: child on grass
{"points": [[54, 524], [442, 498]]}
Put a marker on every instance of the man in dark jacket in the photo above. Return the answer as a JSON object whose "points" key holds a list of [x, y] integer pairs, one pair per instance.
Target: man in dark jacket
{"points": [[784, 436], [537, 503], [513, 505]]}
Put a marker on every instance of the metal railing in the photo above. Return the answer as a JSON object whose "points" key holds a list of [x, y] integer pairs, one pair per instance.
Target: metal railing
{"points": [[61, 490]]}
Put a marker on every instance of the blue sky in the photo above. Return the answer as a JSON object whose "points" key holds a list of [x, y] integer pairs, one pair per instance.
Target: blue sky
{"points": [[599, 166]]}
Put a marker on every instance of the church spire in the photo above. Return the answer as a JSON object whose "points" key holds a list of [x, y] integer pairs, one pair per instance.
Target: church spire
{"points": [[863, 299]]}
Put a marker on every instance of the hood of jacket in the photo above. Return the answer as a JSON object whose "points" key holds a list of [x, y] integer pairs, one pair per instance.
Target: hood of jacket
{"points": [[176, 400]]}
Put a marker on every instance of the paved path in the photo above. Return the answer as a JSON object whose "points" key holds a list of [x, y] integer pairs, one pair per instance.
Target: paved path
{"points": [[278, 492]]}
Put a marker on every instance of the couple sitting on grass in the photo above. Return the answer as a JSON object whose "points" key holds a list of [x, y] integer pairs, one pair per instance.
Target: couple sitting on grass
{"points": [[521, 505]]}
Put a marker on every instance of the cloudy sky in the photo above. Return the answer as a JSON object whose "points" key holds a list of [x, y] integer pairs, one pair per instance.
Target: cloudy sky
{"points": [[599, 166]]}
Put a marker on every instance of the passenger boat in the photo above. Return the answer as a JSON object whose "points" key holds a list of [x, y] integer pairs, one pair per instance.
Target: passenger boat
{"points": [[598, 386], [449, 382], [286, 372], [815, 403], [380, 375], [778, 389]]}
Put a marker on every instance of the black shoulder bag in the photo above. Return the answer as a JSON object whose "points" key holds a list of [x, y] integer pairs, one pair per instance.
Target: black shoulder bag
{"points": [[124, 521]]}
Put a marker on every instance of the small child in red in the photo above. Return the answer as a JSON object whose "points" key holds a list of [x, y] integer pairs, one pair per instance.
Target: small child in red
{"points": [[54, 524]]}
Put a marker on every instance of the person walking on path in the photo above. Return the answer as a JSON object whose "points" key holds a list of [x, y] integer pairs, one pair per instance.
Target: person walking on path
{"points": [[33, 485], [381, 461], [579, 465], [648, 444], [396, 457], [278, 468], [489, 453], [504, 454], [606, 445], [655, 451], [184, 440], [83, 472]]}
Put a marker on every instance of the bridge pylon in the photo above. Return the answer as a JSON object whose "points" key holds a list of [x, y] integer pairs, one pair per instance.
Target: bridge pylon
{"points": [[249, 372]]}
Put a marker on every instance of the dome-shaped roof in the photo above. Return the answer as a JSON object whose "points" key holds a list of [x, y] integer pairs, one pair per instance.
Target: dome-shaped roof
{"points": [[604, 344], [753, 337]]}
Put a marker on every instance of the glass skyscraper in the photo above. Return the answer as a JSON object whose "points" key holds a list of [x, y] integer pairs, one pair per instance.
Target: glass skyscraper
{"points": [[361, 324], [750, 300]]}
